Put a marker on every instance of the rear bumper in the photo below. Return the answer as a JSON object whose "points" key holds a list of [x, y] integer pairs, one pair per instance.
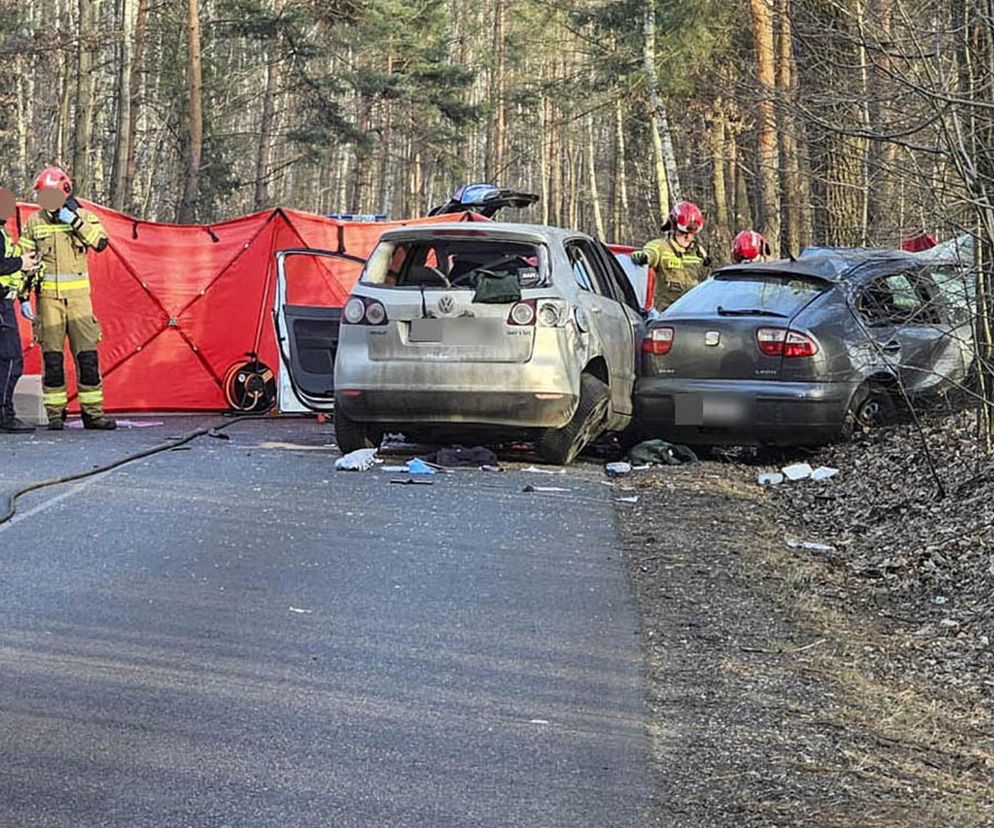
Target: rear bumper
{"points": [[489, 408], [734, 412]]}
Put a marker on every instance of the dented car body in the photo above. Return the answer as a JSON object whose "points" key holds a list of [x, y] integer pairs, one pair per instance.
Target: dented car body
{"points": [[801, 352], [489, 330]]}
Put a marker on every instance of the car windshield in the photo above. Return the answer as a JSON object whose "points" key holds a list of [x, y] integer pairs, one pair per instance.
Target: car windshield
{"points": [[443, 262], [748, 294]]}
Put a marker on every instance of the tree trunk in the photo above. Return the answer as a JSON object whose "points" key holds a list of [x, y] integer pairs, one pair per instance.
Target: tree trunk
{"points": [[664, 188], [188, 204], [134, 94], [595, 197], [768, 156], [125, 130], [85, 93], [273, 57], [620, 201], [795, 190], [721, 234]]}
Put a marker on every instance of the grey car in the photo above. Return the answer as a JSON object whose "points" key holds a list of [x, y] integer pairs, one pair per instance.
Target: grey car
{"points": [[478, 331], [800, 352]]}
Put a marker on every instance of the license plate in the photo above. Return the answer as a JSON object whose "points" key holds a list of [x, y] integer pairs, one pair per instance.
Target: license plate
{"points": [[469, 331]]}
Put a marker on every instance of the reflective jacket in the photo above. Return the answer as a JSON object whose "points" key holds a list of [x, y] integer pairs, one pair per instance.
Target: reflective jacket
{"points": [[13, 282], [677, 271], [62, 248]]}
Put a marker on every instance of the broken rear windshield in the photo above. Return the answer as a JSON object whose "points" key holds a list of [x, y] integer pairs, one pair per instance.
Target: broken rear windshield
{"points": [[439, 262], [766, 294]]}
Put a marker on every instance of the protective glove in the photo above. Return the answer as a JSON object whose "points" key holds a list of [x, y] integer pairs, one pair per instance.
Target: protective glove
{"points": [[67, 215], [27, 311], [640, 257]]}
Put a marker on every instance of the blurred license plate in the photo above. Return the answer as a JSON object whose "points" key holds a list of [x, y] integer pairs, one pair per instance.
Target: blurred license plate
{"points": [[464, 331], [709, 410]]}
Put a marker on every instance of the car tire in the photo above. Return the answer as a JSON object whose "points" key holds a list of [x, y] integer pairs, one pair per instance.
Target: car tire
{"points": [[872, 406], [560, 446], [351, 435]]}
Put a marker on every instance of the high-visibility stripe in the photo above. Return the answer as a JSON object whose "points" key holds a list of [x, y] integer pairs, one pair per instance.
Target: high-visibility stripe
{"points": [[75, 284], [53, 398], [88, 397]]}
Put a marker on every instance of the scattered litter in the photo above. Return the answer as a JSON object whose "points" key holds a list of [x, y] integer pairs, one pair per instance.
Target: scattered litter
{"points": [[461, 456], [491, 468], [413, 481], [661, 453], [811, 546], [538, 721], [419, 466], [300, 611], [632, 499], [530, 488], [393, 469], [537, 470], [949, 623], [618, 469], [797, 471], [939, 599], [139, 423], [823, 473], [769, 479], [218, 435], [358, 460]]}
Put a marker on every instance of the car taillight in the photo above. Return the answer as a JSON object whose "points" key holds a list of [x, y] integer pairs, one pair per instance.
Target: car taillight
{"points": [[362, 311], [523, 313], [788, 344], [658, 341]]}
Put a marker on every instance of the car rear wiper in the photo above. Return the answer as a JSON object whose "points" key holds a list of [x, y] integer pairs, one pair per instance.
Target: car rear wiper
{"points": [[749, 312]]}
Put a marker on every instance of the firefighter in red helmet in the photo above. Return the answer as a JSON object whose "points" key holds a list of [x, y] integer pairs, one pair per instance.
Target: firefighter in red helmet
{"points": [[62, 232], [678, 258], [750, 246]]}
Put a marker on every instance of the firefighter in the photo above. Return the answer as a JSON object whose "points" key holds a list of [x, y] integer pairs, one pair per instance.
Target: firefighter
{"points": [[678, 259], [14, 270], [62, 232], [750, 246]]}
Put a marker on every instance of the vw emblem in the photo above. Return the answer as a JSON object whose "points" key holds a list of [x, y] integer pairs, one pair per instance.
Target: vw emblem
{"points": [[712, 338], [446, 304]]}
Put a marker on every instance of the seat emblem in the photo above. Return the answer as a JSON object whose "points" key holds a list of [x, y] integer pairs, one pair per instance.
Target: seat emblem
{"points": [[446, 304], [712, 338]]}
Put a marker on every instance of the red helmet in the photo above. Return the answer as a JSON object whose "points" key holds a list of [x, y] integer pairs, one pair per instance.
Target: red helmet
{"points": [[685, 217], [749, 245], [52, 178]]}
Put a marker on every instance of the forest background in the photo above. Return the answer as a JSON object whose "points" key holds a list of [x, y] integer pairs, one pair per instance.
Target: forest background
{"points": [[843, 122]]}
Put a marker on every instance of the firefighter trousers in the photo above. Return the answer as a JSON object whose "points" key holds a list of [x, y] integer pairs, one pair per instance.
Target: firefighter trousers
{"points": [[58, 317]]}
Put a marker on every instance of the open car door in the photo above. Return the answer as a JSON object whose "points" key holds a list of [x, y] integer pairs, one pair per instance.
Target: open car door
{"points": [[307, 326]]}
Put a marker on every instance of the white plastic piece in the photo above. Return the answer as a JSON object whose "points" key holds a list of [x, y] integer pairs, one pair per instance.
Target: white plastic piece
{"points": [[823, 473], [797, 471], [358, 460], [811, 546], [769, 479]]}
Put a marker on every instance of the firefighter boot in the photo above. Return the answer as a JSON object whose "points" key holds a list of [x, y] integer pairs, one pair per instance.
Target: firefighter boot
{"points": [[100, 423]]}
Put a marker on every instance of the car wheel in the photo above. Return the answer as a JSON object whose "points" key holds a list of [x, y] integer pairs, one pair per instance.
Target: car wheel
{"points": [[872, 406], [351, 435], [560, 446]]}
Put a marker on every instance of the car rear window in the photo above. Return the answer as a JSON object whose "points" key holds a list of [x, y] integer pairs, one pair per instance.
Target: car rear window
{"points": [[770, 292], [455, 262]]}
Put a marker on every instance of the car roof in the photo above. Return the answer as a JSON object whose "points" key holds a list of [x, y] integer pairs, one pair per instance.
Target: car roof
{"points": [[493, 230], [830, 264]]}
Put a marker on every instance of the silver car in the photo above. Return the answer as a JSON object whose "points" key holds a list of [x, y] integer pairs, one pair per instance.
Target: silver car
{"points": [[487, 331]]}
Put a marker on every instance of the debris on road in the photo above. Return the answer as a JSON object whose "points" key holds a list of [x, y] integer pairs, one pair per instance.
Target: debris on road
{"points": [[769, 479], [419, 466], [412, 481], [811, 546], [358, 460], [618, 469], [659, 452], [632, 499], [530, 488], [301, 611], [537, 470]]}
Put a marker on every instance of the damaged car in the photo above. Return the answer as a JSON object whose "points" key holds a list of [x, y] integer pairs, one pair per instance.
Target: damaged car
{"points": [[803, 352], [488, 332]]}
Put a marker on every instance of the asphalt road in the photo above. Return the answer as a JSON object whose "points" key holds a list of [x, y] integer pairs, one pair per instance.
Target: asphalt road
{"points": [[233, 633]]}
